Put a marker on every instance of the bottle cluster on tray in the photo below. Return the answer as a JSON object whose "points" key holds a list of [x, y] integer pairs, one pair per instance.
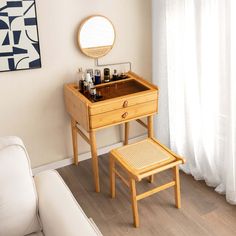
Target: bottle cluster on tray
{"points": [[87, 80]]}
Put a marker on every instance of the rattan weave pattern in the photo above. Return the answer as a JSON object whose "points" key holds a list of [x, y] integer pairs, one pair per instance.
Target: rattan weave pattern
{"points": [[144, 154]]}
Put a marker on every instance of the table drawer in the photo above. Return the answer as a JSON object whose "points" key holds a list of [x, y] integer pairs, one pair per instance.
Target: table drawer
{"points": [[120, 103], [121, 115]]}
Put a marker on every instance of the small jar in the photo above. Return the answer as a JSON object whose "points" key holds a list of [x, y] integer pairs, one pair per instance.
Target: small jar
{"points": [[93, 92]]}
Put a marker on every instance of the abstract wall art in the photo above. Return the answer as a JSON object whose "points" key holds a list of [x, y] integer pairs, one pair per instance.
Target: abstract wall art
{"points": [[19, 40]]}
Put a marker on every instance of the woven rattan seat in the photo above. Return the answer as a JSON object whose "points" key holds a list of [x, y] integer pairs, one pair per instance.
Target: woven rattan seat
{"points": [[144, 159], [144, 154]]}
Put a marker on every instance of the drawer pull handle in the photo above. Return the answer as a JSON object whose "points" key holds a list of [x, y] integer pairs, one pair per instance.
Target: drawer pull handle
{"points": [[125, 104], [125, 115]]}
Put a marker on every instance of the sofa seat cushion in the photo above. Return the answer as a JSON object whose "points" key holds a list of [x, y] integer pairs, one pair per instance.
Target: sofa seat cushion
{"points": [[58, 207], [18, 198]]}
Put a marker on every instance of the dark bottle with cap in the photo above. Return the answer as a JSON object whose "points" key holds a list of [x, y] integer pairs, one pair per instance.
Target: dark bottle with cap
{"points": [[81, 85], [107, 77], [81, 80], [115, 76], [97, 77]]}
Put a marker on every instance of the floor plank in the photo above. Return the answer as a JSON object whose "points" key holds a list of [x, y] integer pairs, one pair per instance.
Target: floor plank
{"points": [[203, 212]]}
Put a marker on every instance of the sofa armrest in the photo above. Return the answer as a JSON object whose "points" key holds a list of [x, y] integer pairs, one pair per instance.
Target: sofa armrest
{"points": [[59, 212]]}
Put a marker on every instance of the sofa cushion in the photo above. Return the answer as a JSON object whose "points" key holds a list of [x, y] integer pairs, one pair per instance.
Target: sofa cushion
{"points": [[18, 199], [60, 213]]}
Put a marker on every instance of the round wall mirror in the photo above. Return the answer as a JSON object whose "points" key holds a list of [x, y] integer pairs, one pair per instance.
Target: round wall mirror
{"points": [[96, 36]]}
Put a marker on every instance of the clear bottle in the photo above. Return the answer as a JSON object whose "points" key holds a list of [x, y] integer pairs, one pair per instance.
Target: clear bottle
{"points": [[90, 85], [80, 80], [90, 71], [88, 78], [93, 91]]}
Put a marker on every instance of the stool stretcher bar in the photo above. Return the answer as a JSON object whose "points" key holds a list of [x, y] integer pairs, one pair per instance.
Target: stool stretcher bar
{"points": [[155, 190]]}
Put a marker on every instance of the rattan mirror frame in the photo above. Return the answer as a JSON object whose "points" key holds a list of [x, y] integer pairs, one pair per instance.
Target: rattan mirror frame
{"points": [[95, 52]]}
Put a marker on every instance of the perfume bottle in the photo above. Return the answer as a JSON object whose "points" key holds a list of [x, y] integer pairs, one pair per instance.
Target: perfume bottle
{"points": [[92, 91], [85, 92], [90, 85], [88, 78], [97, 77], [80, 80], [107, 77], [115, 76], [90, 71], [81, 85]]}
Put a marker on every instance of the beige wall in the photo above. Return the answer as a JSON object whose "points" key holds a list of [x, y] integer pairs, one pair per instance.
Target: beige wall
{"points": [[31, 101]]}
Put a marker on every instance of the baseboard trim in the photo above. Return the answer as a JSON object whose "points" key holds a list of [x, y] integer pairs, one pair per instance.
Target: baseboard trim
{"points": [[82, 157]]}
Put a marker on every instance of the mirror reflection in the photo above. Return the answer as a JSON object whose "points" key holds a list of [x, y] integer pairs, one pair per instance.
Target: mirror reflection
{"points": [[96, 36]]}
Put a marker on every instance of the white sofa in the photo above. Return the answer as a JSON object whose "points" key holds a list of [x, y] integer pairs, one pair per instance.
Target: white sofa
{"points": [[39, 206]]}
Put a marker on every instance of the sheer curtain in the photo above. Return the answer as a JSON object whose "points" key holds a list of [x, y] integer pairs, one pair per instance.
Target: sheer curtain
{"points": [[201, 77]]}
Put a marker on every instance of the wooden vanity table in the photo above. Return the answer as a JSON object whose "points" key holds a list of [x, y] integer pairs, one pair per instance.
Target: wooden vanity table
{"points": [[121, 102]]}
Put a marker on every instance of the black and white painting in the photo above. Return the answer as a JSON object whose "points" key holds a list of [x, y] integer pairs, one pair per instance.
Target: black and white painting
{"points": [[19, 40]]}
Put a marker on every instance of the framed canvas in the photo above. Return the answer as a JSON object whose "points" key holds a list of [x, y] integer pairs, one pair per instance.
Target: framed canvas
{"points": [[19, 40]]}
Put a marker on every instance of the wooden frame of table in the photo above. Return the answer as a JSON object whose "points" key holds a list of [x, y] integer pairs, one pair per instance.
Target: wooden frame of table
{"points": [[124, 105]]}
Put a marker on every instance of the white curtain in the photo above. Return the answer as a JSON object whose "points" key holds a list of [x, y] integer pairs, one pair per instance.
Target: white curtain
{"points": [[201, 77]]}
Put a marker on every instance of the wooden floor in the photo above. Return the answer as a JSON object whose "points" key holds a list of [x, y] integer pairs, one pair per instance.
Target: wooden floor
{"points": [[203, 212]]}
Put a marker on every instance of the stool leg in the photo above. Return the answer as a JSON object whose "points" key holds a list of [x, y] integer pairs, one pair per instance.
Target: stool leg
{"points": [[151, 179], [177, 187], [134, 202], [150, 135], [112, 177]]}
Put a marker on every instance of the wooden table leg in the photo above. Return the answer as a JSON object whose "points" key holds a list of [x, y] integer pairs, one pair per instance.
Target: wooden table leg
{"points": [[126, 141], [150, 126], [150, 135], [112, 177], [177, 187], [74, 141], [134, 202], [93, 146], [151, 179]]}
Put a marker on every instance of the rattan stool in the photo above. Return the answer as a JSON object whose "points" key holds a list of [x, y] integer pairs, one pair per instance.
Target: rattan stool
{"points": [[140, 160]]}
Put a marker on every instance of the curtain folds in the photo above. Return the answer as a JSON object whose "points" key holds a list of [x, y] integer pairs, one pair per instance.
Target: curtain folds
{"points": [[201, 77]]}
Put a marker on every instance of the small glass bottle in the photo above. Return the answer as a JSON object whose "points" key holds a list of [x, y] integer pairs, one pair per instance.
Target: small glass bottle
{"points": [[97, 77], [115, 76], [93, 91], [107, 77], [85, 88], [88, 78], [80, 79], [81, 85], [90, 71], [90, 85]]}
